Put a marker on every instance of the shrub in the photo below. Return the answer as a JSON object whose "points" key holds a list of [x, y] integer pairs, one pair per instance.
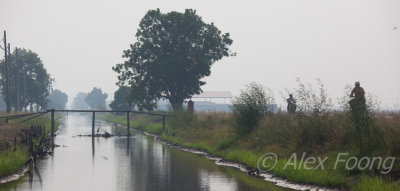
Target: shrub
{"points": [[251, 106], [310, 100]]}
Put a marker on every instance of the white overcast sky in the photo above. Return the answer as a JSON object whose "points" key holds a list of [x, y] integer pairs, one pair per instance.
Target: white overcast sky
{"points": [[338, 41]]}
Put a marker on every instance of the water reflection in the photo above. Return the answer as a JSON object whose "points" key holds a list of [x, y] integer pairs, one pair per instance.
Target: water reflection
{"points": [[121, 163], [212, 181], [93, 149]]}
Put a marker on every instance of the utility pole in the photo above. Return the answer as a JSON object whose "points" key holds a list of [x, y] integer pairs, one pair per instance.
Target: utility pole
{"points": [[17, 105], [8, 78], [24, 96], [6, 63]]}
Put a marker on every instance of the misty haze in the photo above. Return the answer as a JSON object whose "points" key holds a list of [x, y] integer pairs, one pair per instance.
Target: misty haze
{"points": [[199, 95]]}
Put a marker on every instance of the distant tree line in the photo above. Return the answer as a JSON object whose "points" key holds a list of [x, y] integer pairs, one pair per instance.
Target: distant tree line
{"points": [[29, 82], [79, 101], [95, 99], [57, 100], [121, 100]]}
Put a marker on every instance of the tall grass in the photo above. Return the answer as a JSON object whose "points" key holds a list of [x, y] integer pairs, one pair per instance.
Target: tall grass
{"points": [[150, 124], [375, 184], [322, 135], [11, 161]]}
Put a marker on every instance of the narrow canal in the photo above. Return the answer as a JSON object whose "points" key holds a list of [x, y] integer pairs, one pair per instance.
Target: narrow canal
{"points": [[120, 163]]}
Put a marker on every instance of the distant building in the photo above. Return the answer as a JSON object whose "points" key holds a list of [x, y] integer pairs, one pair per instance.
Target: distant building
{"points": [[213, 101], [214, 95], [210, 101]]}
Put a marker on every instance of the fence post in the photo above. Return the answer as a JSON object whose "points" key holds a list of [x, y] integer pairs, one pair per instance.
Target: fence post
{"points": [[94, 114], [52, 126], [93, 119], [127, 124]]}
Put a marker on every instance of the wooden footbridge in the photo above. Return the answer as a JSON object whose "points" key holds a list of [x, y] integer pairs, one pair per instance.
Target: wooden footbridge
{"points": [[53, 111]]}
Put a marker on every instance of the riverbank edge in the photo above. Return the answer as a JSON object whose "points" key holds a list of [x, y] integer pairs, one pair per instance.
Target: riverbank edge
{"points": [[19, 173], [221, 161], [22, 171], [269, 177]]}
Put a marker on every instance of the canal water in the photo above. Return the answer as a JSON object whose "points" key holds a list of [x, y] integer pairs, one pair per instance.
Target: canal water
{"points": [[120, 163]]}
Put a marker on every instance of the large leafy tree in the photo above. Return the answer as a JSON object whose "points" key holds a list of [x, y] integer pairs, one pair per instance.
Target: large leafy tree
{"points": [[121, 101], [173, 52], [57, 100], [96, 99], [29, 81]]}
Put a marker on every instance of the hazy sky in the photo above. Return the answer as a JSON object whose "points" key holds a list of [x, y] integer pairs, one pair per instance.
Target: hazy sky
{"points": [[338, 41]]}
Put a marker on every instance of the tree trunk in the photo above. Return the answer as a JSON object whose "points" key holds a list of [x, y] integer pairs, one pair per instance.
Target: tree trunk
{"points": [[176, 104]]}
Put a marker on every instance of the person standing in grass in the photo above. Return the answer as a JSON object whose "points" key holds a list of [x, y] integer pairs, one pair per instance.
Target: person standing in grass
{"points": [[358, 103], [360, 115], [358, 91], [291, 107]]}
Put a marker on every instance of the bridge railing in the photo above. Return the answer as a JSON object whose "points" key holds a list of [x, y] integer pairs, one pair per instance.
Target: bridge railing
{"points": [[52, 111]]}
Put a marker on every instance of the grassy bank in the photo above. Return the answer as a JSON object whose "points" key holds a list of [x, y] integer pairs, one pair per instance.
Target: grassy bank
{"points": [[150, 124], [13, 157], [318, 136], [12, 161]]}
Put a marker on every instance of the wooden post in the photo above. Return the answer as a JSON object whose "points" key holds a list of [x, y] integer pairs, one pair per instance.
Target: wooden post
{"points": [[94, 114], [18, 81], [163, 123], [127, 124], [24, 92], [93, 124], [93, 148], [52, 126], [8, 78], [6, 60]]}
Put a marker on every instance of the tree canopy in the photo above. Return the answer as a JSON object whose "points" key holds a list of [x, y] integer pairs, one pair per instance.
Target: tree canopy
{"points": [[120, 101], [57, 100], [96, 99], [29, 80], [173, 52]]}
